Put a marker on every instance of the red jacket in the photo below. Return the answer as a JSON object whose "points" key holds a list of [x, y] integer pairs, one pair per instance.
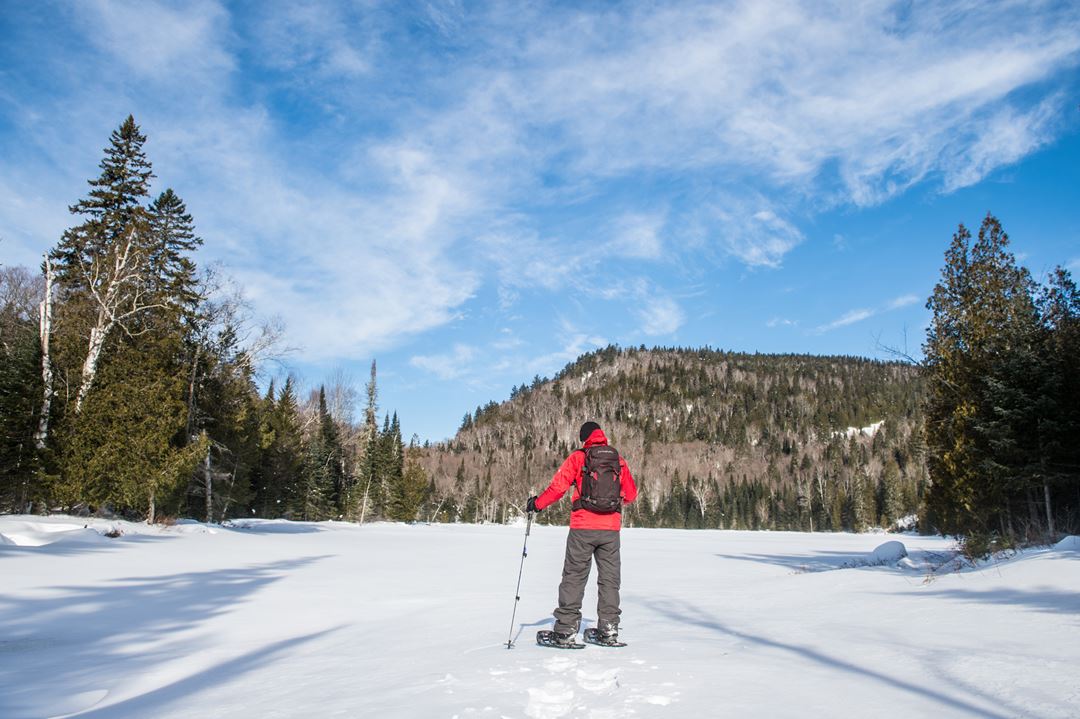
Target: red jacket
{"points": [[570, 474]]}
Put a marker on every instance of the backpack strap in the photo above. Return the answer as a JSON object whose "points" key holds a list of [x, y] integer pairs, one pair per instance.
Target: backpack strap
{"points": [[580, 479]]}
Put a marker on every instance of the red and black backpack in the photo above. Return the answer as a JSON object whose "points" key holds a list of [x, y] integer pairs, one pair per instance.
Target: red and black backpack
{"points": [[601, 481]]}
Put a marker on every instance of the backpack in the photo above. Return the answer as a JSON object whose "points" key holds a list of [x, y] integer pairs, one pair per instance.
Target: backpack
{"points": [[601, 481]]}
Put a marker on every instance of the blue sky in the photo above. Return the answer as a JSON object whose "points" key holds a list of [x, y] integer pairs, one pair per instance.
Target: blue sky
{"points": [[474, 194]]}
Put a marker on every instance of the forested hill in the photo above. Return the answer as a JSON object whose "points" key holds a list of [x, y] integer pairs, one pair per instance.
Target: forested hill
{"points": [[715, 439]]}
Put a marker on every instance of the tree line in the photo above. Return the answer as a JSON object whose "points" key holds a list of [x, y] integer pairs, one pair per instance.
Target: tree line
{"points": [[128, 381]]}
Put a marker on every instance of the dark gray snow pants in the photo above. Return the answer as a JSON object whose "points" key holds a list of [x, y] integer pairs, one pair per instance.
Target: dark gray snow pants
{"points": [[581, 546]]}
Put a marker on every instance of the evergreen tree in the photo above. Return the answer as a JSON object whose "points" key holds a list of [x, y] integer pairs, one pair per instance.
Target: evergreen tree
{"points": [[321, 476], [988, 376], [413, 489], [171, 271], [20, 392]]}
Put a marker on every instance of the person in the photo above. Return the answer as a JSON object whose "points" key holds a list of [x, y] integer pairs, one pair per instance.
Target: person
{"points": [[594, 532]]}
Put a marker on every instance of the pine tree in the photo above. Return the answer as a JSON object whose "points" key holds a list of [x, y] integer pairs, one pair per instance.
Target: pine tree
{"points": [[368, 475], [286, 453]]}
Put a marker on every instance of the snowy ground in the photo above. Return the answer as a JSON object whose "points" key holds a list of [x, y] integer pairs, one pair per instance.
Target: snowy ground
{"points": [[322, 620]]}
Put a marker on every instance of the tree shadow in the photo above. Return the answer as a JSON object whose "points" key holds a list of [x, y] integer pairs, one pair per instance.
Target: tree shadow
{"points": [[1047, 599], [68, 641], [270, 526], [820, 561], [687, 613], [151, 702]]}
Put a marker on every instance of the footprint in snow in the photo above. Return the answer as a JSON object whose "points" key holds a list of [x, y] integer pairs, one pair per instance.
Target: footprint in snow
{"points": [[553, 700], [559, 665], [601, 682]]}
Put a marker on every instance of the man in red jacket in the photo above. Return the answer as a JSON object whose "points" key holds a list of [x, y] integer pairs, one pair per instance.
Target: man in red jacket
{"points": [[594, 532]]}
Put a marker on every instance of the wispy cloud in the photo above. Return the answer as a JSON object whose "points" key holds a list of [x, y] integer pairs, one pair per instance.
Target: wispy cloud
{"points": [[858, 315], [638, 235], [447, 366], [903, 301], [660, 316], [848, 318]]}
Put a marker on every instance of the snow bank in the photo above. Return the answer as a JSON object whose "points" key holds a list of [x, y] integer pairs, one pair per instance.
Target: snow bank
{"points": [[1069, 544], [35, 531], [36, 534]]}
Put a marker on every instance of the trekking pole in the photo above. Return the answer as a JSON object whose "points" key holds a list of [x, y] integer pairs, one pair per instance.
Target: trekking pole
{"points": [[517, 592]]}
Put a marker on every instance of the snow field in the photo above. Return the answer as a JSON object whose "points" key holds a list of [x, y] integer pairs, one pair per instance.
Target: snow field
{"points": [[278, 619]]}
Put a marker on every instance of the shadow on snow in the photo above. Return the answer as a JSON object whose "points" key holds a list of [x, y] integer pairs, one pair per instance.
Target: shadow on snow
{"points": [[67, 641], [689, 614]]}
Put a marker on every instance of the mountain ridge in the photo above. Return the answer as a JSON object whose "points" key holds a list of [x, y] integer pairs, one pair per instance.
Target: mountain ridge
{"points": [[704, 429]]}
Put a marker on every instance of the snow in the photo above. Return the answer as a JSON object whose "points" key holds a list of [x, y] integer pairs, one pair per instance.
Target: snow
{"points": [[889, 553], [868, 431], [281, 619], [1069, 544]]}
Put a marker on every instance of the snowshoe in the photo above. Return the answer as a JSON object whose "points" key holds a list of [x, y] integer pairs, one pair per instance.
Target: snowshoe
{"points": [[601, 639], [548, 638]]}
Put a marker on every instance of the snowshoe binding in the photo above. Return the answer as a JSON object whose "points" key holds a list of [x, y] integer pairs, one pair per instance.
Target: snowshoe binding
{"points": [[548, 638], [609, 638]]}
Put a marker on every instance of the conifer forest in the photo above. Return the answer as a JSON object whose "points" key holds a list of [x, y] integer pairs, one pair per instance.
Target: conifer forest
{"points": [[131, 384]]}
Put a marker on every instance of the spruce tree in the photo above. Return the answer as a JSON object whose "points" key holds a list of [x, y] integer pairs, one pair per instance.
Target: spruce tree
{"points": [[172, 239]]}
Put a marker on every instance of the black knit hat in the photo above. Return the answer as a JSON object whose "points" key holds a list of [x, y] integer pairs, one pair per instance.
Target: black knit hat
{"points": [[587, 429]]}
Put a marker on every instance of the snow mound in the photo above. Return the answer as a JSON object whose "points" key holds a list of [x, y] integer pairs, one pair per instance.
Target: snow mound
{"points": [[34, 534], [1069, 544], [889, 553]]}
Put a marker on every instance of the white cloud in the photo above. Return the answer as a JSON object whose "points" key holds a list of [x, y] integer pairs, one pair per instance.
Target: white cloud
{"points": [[1003, 138], [660, 316], [849, 318], [781, 322], [637, 235], [903, 301], [571, 343], [448, 366], [858, 315], [157, 41], [757, 238]]}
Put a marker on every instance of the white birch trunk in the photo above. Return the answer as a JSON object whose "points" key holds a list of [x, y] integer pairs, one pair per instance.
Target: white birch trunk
{"points": [[41, 436], [93, 355], [363, 508]]}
